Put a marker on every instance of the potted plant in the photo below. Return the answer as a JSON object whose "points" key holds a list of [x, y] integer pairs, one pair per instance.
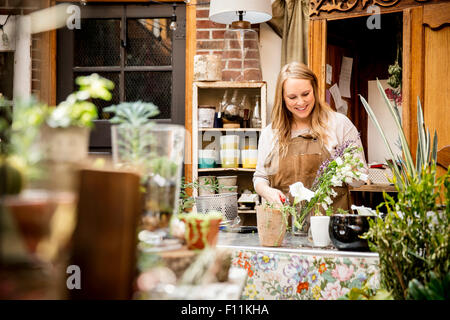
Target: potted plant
{"points": [[65, 135], [201, 229], [130, 133], [412, 239], [207, 185], [272, 218], [272, 222]]}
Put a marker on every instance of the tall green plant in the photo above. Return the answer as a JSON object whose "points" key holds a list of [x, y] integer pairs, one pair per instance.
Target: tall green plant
{"points": [[426, 150], [413, 239]]}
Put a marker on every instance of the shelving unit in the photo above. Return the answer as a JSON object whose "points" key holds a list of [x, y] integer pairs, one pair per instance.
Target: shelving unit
{"points": [[211, 93]]}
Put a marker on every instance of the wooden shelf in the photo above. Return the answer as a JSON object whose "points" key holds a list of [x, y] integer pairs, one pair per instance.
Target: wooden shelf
{"points": [[374, 188], [211, 93], [230, 129], [225, 169]]}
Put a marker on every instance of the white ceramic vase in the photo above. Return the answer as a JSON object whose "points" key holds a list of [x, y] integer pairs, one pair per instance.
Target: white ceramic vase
{"points": [[319, 230]]}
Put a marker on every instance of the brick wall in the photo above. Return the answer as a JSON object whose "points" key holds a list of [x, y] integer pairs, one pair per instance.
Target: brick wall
{"points": [[23, 7], [210, 37]]}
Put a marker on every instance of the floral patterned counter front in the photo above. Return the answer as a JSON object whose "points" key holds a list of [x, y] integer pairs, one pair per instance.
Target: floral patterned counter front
{"points": [[298, 271]]}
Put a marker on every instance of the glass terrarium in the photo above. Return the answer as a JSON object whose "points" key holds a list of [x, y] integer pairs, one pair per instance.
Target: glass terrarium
{"points": [[157, 150]]}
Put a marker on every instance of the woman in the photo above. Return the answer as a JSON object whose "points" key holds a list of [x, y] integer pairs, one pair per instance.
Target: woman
{"points": [[303, 133]]}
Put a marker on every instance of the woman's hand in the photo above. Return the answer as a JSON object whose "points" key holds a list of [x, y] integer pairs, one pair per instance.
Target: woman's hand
{"points": [[270, 194], [273, 195]]}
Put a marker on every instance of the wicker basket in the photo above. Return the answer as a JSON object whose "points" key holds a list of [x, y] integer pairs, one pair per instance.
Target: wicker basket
{"points": [[380, 176], [225, 203]]}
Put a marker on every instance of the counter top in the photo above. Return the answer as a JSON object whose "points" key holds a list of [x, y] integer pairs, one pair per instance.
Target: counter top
{"points": [[291, 244]]}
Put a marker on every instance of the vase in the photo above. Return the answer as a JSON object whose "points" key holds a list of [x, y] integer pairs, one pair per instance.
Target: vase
{"points": [[45, 220], [201, 233], [345, 231], [271, 226], [157, 152], [319, 230], [63, 151]]}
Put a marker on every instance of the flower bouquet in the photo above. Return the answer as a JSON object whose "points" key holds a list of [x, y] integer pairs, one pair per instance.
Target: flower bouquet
{"points": [[343, 167]]}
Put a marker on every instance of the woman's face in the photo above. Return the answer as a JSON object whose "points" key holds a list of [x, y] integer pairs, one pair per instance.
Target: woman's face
{"points": [[298, 95]]}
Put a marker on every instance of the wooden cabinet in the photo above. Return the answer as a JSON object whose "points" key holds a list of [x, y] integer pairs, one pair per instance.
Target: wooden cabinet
{"points": [[422, 28], [211, 94]]}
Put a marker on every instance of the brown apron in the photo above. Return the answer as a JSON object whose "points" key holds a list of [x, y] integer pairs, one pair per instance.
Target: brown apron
{"points": [[304, 156]]}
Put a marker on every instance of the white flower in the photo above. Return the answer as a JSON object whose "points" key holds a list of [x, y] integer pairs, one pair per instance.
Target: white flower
{"points": [[339, 161], [347, 169], [336, 182], [333, 193], [300, 193], [363, 177], [328, 200], [324, 206], [60, 117], [348, 179]]}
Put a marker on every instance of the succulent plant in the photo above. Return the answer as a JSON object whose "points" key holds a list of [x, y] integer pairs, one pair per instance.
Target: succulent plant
{"points": [[133, 113]]}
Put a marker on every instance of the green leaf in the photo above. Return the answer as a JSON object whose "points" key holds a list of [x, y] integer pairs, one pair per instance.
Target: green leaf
{"points": [[405, 146], [327, 276]]}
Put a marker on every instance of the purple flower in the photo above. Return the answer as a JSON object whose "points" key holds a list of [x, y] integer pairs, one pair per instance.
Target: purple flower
{"points": [[297, 270]]}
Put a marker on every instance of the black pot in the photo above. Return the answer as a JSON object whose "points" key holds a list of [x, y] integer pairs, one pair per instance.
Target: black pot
{"points": [[345, 230]]}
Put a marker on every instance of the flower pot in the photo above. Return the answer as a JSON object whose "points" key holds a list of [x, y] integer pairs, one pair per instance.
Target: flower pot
{"points": [[63, 150], [249, 158], [33, 212], [227, 180], [271, 226], [206, 158], [206, 185], [229, 158], [319, 230], [229, 142], [345, 231], [228, 189], [65, 144], [201, 233]]}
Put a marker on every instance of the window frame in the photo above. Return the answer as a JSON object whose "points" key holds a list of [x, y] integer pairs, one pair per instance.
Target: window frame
{"points": [[100, 139]]}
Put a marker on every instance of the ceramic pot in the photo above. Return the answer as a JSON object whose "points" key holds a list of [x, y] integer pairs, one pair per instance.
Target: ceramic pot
{"points": [[319, 230], [227, 180], [206, 185], [345, 231], [201, 233], [271, 226], [228, 189]]}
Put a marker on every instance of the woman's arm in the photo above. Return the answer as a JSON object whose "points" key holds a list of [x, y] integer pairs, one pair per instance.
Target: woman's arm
{"points": [[269, 194], [261, 177]]}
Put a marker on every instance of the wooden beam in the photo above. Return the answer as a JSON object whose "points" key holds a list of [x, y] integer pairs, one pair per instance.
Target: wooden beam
{"points": [[131, 1], [413, 70], [317, 44], [191, 47]]}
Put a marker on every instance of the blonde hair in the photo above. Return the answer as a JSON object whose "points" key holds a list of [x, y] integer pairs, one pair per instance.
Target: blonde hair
{"points": [[282, 117]]}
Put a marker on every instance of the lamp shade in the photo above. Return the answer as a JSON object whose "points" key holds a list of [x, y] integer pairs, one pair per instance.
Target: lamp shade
{"points": [[225, 11]]}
